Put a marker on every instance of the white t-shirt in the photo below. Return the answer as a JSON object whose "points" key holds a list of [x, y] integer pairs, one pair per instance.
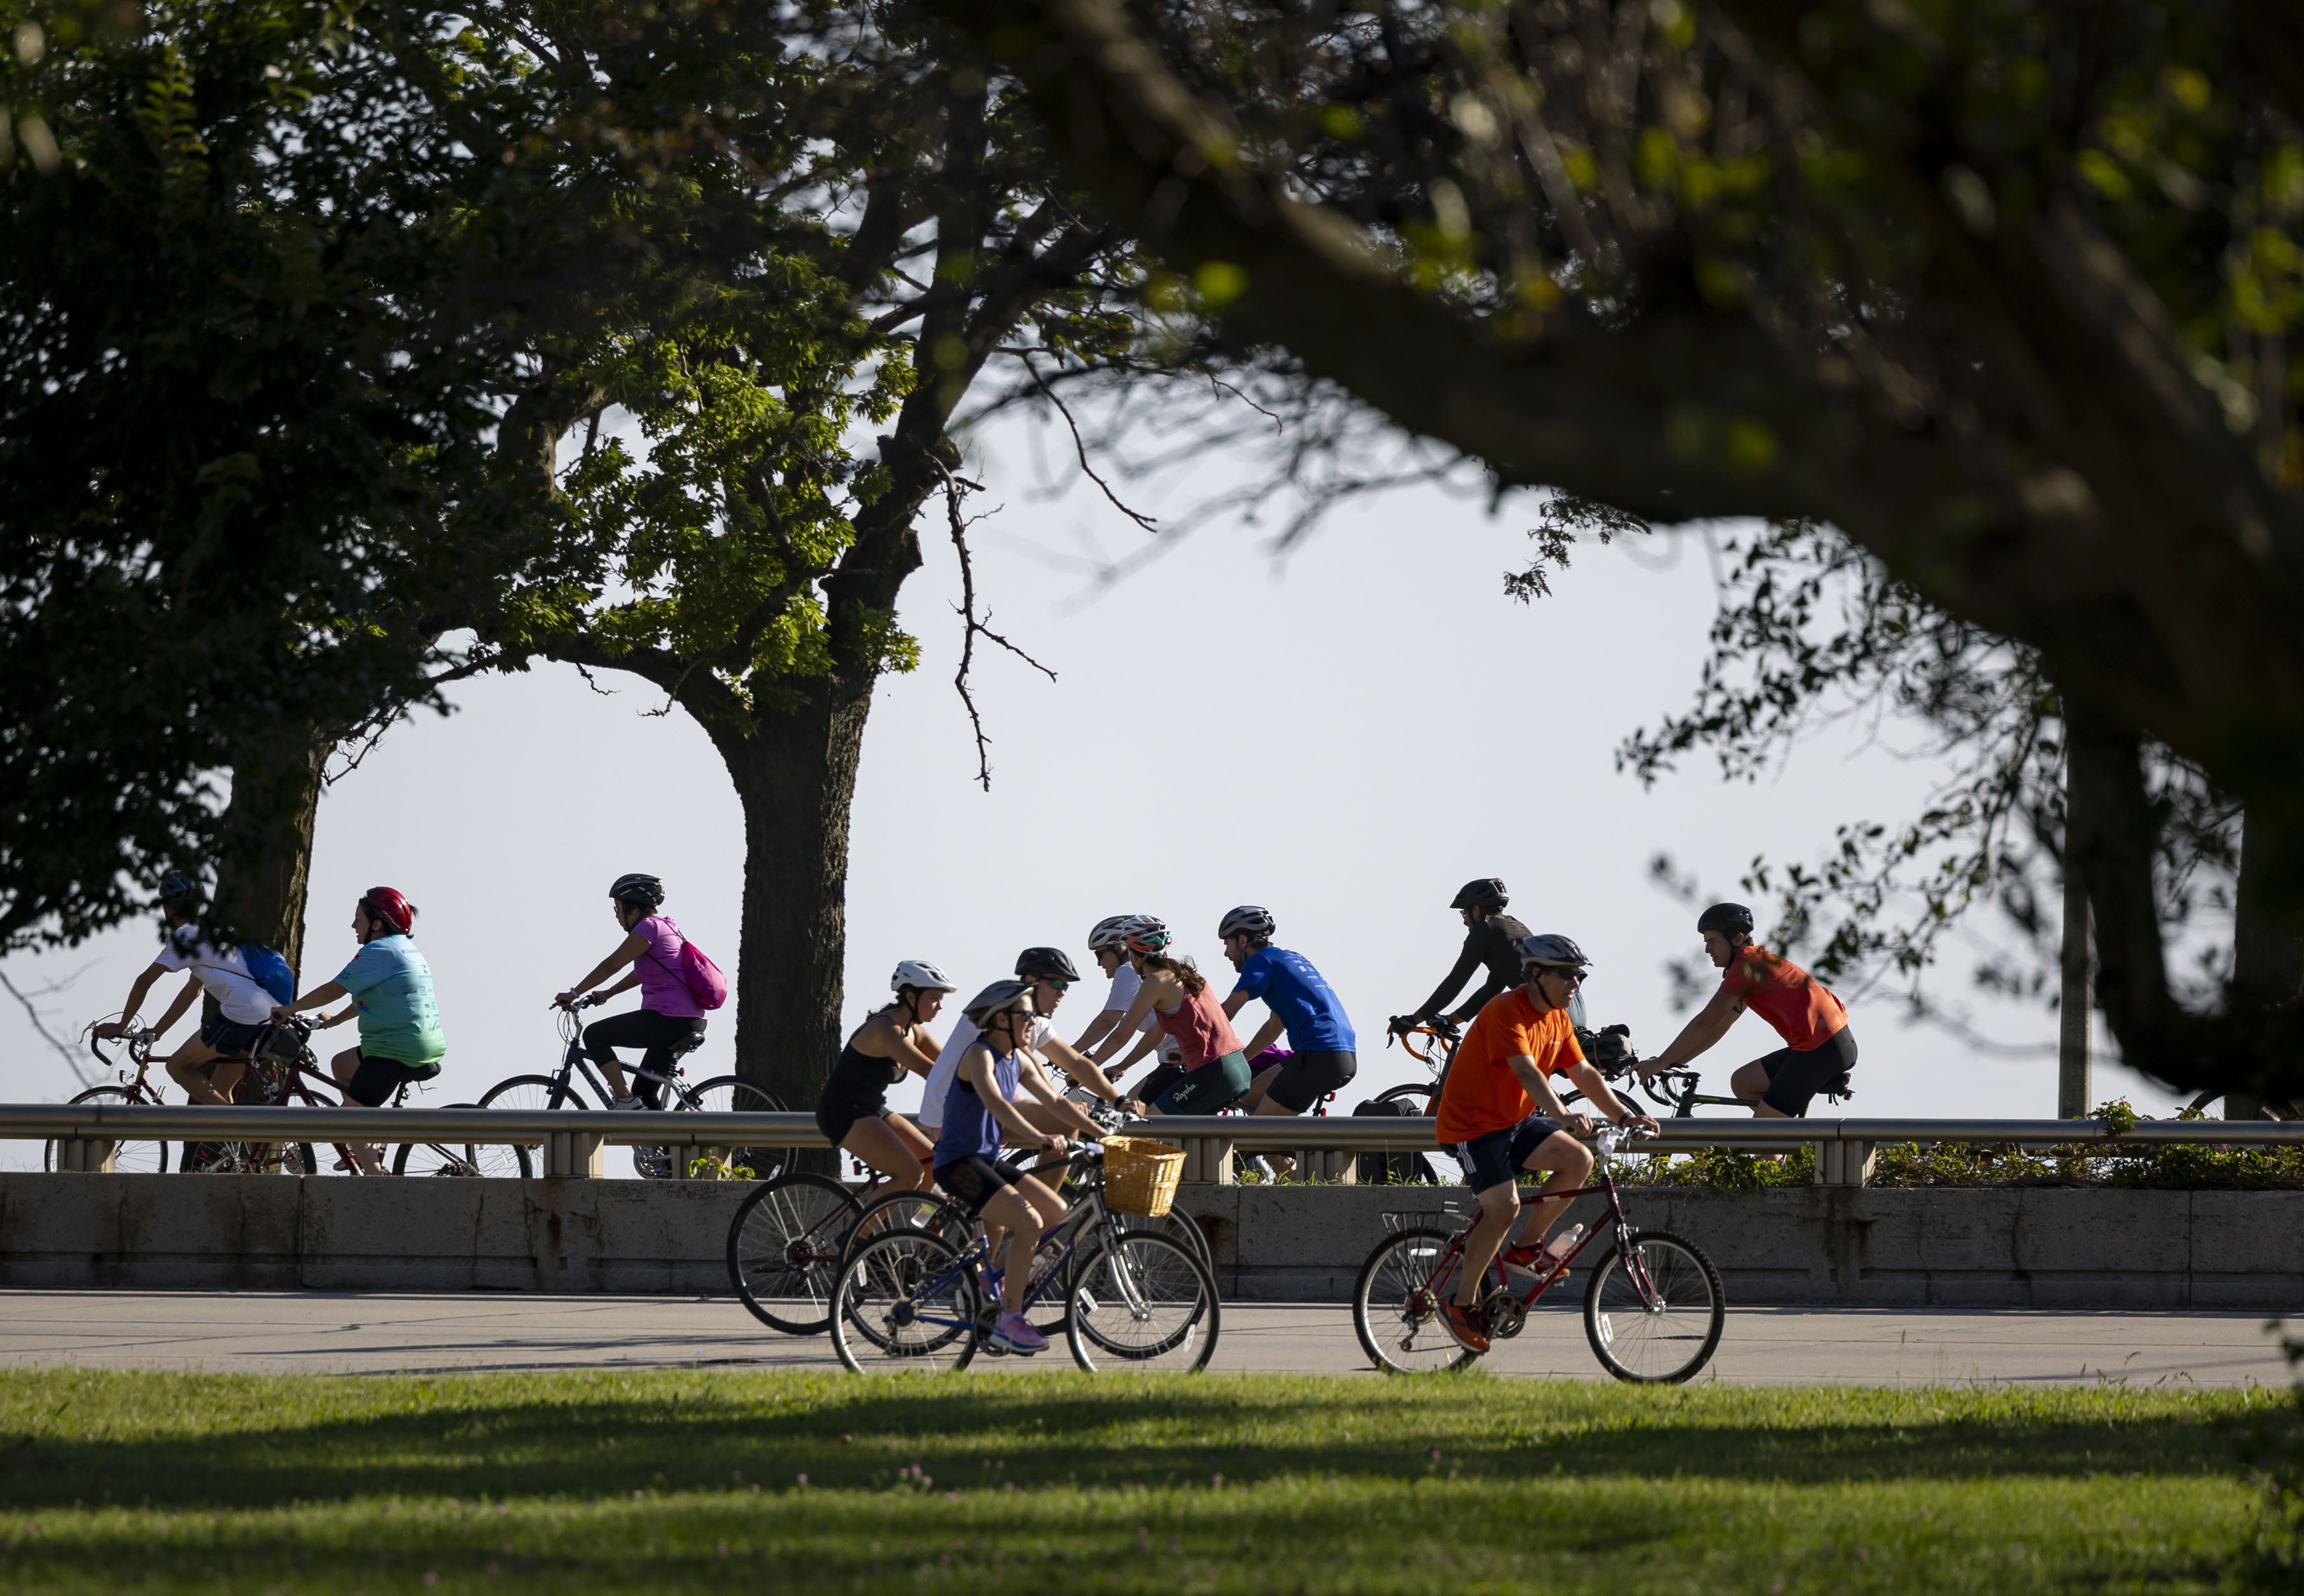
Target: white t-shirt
{"points": [[947, 1065], [225, 975], [1125, 981]]}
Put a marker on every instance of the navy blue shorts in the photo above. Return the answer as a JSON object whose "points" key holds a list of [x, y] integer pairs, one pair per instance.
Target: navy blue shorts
{"points": [[1498, 1158], [230, 1038]]}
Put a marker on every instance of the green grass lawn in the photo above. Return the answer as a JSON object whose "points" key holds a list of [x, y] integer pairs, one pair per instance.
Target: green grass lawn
{"points": [[739, 1482]]}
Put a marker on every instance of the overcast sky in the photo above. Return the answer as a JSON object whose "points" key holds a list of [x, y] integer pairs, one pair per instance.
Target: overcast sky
{"points": [[1350, 735]]}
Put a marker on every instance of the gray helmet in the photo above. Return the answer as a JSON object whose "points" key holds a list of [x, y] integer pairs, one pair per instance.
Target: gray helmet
{"points": [[1045, 961], [1550, 948], [638, 889], [1487, 893], [992, 999], [1109, 932], [1726, 918], [1249, 921]]}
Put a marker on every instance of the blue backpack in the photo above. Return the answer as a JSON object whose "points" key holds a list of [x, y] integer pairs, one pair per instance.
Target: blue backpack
{"points": [[271, 972]]}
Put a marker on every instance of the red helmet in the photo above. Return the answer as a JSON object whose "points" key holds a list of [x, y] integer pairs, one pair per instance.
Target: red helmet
{"points": [[389, 906]]}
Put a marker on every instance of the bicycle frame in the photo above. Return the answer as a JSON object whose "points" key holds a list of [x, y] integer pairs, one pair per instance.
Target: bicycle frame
{"points": [[576, 1062]]}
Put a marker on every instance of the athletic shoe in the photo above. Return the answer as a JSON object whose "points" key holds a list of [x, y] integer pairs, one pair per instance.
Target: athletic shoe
{"points": [[625, 1102], [1014, 1333], [1464, 1324]]}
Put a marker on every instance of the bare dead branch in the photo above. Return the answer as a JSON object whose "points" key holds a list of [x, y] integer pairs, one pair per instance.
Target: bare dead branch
{"points": [[954, 488]]}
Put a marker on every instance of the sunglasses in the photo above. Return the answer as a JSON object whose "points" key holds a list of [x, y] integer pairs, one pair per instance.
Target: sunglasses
{"points": [[1056, 982], [1574, 976]]}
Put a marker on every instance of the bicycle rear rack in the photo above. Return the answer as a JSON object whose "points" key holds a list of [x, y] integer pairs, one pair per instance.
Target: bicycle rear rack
{"points": [[1442, 1216]]}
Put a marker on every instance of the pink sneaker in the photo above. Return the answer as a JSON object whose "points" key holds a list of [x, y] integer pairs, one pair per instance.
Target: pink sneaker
{"points": [[1014, 1333]]}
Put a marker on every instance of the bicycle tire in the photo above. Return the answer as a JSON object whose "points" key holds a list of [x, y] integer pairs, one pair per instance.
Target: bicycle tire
{"points": [[1142, 1298], [733, 1093], [785, 1248], [531, 1092], [1623, 1328], [1398, 1292], [453, 1159], [1181, 1226], [128, 1158], [877, 1323], [913, 1209]]}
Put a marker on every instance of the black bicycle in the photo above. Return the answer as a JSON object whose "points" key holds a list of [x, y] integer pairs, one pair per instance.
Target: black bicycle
{"points": [[722, 1094]]}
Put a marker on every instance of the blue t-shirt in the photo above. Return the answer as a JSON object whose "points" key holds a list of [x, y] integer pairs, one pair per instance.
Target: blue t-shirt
{"points": [[968, 1126], [1293, 990], [392, 986]]}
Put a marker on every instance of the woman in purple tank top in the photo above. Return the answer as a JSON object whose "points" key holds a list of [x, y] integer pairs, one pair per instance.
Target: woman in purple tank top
{"points": [[1177, 998]]}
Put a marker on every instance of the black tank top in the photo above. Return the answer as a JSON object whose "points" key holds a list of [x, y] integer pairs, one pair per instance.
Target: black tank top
{"points": [[860, 1080]]}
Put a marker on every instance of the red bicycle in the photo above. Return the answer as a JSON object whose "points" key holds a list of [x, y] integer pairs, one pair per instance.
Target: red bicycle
{"points": [[1652, 1305]]}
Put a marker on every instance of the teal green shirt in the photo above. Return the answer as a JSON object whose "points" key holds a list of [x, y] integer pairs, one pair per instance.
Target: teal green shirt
{"points": [[392, 986]]}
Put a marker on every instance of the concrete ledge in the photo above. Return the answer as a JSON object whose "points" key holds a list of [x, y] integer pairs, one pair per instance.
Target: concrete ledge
{"points": [[1826, 1246]]}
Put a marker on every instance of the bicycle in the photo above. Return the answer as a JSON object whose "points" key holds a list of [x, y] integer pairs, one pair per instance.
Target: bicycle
{"points": [[910, 1298], [1431, 1042], [1653, 1307], [135, 1088], [787, 1241], [287, 1078], [1676, 1089], [722, 1094]]}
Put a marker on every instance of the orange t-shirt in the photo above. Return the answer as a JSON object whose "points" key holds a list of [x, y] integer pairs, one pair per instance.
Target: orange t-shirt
{"points": [[1800, 1008], [1483, 1093]]}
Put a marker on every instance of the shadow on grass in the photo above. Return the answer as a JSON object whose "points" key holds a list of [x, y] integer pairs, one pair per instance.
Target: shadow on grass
{"points": [[507, 1436]]}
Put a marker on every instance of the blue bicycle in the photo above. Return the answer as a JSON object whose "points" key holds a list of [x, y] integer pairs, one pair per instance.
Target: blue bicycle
{"points": [[914, 1298]]}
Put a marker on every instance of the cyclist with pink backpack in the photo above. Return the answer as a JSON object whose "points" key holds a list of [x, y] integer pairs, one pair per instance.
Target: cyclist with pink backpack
{"points": [[677, 984]]}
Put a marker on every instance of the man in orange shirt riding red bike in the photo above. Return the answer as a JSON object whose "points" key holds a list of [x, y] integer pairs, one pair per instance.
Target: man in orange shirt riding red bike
{"points": [[1500, 1115]]}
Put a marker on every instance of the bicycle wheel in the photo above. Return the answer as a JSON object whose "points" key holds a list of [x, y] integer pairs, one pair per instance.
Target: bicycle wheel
{"points": [[905, 1301], [785, 1247], [1396, 1304], [128, 1158], [1176, 1226], [530, 1092], [1654, 1308], [732, 1095], [1142, 1298], [454, 1160], [1424, 1099]]}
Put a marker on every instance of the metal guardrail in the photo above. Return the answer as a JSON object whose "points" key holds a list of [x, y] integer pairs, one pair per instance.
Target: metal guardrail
{"points": [[572, 1139]]}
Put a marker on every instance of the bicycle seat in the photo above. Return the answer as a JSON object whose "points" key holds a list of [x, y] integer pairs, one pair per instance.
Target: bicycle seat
{"points": [[687, 1045], [423, 1072]]}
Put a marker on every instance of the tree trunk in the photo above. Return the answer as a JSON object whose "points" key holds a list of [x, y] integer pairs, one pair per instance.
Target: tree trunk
{"points": [[795, 775], [2267, 949], [264, 863]]}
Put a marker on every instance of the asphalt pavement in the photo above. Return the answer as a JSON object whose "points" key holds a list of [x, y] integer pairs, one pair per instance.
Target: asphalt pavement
{"points": [[372, 1332]]}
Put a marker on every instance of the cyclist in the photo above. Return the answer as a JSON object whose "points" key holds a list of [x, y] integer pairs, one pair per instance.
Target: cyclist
{"points": [[1492, 938], [1215, 1068], [1321, 1056], [1500, 1115], [852, 1111], [391, 988], [979, 1112], [669, 1019], [1108, 942], [209, 1064], [1051, 973], [1819, 1051]]}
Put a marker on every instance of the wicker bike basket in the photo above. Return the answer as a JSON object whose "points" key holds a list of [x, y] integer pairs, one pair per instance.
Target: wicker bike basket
{"points": [[1140, 1175]]}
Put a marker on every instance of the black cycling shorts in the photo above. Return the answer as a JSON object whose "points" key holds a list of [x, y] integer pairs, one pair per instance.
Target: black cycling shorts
{"points": [[1216, 1085], [1498, 1158], [376, 1079], [1163, 1076], [230, 1038], [1305, 1078], [975, 1180], [835, 1120], [1796, 1075]]}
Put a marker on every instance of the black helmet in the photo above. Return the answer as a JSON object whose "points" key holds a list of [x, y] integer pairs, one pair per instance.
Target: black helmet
{"points": [[1045, 961], [992, 999], [1726, 918], [1550, 948], [1249, 921], [177, 884], [638, 889], [1487, 893]]}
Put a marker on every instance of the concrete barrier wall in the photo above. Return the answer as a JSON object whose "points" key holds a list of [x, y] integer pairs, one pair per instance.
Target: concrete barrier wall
{"points": [[2013, 1248]]}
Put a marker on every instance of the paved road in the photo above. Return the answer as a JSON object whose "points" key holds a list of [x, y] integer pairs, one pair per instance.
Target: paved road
{"points": [[336, 1332]]}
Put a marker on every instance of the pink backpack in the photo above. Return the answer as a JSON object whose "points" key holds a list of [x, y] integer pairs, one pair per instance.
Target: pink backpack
{"points": [[697, 972]]}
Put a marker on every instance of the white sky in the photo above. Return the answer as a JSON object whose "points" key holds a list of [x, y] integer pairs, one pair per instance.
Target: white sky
{"points": [[1345, 738]]}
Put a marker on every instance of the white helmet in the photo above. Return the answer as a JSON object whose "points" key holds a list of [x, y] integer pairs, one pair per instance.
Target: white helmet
{"points": [[919, 973], [1110, 933]]}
